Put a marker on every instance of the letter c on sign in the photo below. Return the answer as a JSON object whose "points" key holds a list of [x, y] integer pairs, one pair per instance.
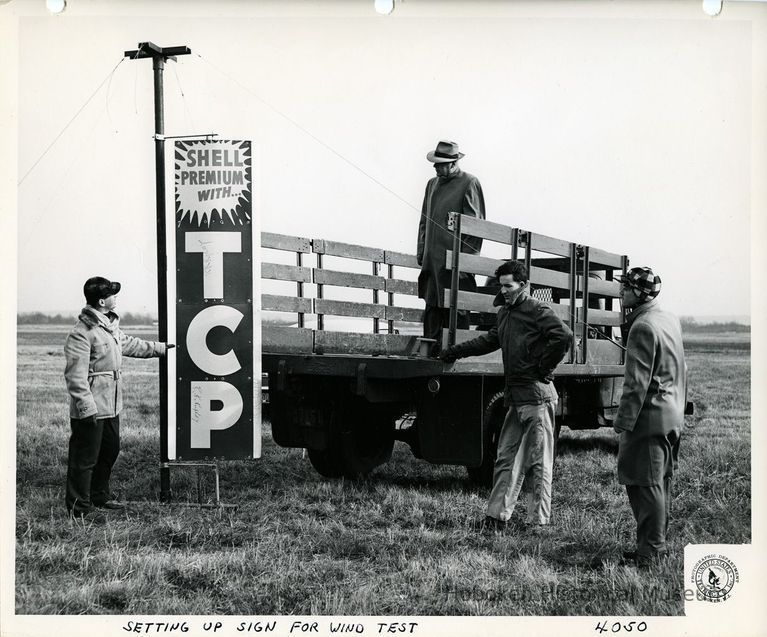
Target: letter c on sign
{"points": [[207, 361]]}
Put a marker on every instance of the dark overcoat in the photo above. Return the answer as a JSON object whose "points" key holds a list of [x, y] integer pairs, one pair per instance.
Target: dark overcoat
{"points": [[654, 395], [460, 192]]}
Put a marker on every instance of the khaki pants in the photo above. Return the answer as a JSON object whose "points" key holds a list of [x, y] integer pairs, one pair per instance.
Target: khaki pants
{"points": [[525, 450]]}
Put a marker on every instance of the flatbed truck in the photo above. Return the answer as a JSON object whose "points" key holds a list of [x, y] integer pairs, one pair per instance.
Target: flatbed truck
{"points": [[346, 396]]}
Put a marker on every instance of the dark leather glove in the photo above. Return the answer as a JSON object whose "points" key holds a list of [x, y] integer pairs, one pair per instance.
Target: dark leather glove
{"points": [[448, 355]]}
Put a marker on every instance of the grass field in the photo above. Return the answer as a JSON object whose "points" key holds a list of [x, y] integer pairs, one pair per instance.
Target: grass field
{"points": [[405, 541]]}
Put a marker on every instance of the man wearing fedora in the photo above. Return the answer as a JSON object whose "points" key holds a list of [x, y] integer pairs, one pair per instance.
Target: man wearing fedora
{"points": [[452, 190], [93, 352], [651, 411]]}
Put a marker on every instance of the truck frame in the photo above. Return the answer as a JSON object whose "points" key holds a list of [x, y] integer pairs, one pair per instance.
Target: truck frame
{"points": [[347, 396]]}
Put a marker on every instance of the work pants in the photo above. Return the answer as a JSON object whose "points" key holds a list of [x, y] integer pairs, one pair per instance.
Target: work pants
{"points": [[652, 510], [436, 318], [93, 449], [525, 451]]}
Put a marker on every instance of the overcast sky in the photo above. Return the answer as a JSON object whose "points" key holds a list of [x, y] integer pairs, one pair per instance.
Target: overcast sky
{"points": [[626, 129]]}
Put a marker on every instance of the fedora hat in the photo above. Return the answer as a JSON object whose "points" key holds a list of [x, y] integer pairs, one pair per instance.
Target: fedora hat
{"points": [[445, 152]]}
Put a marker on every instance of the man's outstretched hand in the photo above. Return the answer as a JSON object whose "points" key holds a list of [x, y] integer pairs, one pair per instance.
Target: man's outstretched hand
{"points": [[448, 355]]}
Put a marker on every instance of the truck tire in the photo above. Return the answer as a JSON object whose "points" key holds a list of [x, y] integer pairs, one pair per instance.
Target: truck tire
{"points": [[492, 422], [359, 441], [364, 447], [327, 462]]}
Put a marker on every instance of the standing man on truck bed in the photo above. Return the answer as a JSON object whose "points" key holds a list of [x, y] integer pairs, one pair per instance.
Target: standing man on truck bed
{"points": [[651, 411], [533, 341], [452, 190]]}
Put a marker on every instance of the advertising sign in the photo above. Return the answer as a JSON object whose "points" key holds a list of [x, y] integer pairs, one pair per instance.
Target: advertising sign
{"points": [[216, 388]]}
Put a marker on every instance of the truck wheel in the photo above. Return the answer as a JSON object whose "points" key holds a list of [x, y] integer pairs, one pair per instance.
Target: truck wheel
{"points": [[492, 422], [366, 445], [327, 462]]}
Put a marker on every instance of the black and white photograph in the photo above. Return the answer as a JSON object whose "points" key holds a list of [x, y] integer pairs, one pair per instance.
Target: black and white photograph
{"points": [[380, 317]]}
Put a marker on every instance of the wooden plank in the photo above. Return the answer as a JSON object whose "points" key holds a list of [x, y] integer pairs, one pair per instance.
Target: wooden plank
{"points": [[561, 310], [401, 286], [280, 303], [400, 258], [473, 301], [285, 242], [280, 272], [412, 314], [474, 264], [279, 339], [348, 279], [353, 343], [602, 257], [601, 317], [599, 287], [550, 245], [560, 264], [484, 303], [349, 308], [486, 229], [549, 278], [603, 352], [348, 250]]}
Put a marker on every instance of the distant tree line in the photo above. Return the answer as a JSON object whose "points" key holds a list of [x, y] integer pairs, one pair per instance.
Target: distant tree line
{"points": [[691, 326], [41, 318]]}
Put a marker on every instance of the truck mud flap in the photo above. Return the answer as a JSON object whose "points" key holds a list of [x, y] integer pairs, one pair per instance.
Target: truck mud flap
{"points": [[449, 424]]}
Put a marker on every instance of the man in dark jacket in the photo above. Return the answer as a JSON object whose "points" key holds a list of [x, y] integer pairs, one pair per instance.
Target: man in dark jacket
{"points": [[533, 341], [93, 352], [452, 190], [651, 411]]}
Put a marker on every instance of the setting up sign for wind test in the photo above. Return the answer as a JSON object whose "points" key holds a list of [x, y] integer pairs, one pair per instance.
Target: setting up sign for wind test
{"points": [[215, 385]]}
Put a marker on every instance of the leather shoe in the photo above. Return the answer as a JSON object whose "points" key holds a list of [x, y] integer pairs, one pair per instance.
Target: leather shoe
{"points": [[493, 524], [112, 505], [92, 516], [639, 559]]}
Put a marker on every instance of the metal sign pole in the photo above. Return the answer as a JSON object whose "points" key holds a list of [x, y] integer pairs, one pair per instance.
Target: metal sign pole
{"points": [[159, 55]]}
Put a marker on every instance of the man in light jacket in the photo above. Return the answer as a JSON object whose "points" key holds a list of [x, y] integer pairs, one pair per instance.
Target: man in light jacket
{"points": [[651, 411], [533, 341], [452, 190], [93, 352]]}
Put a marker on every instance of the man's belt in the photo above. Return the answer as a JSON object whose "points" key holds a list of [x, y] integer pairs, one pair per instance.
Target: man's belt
{"points": [[114, 374]]}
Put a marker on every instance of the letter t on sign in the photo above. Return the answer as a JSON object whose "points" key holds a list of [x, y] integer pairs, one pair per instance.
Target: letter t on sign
{"points": [[213, 245]]}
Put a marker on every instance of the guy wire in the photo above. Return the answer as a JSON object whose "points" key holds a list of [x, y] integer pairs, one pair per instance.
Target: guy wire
{"points": [[69, 123]]}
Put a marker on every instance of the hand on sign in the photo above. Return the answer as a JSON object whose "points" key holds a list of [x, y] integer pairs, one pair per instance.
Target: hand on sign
{"points": [[167, 347]]}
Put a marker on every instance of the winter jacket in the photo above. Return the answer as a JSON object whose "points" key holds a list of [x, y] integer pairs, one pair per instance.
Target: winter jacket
{"points": [[93, 353], [654, 389], [533, 341], [462, 193]]}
